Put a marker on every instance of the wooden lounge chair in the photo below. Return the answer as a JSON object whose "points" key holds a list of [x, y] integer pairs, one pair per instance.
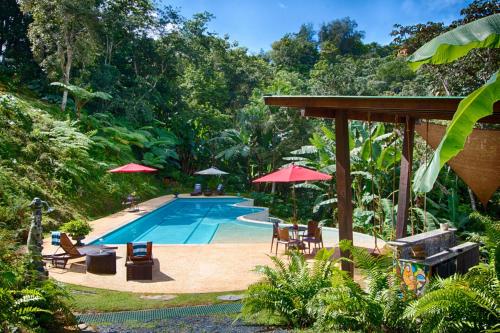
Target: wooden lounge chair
{"points": [[284, 238], [276, 226], [139, 261], [60, 260], [314, 235], [131, 202], [197, 190], [220, 189]]}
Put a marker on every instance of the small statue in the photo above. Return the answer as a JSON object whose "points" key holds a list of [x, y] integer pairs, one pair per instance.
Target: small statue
{"points": [[35, 236]]}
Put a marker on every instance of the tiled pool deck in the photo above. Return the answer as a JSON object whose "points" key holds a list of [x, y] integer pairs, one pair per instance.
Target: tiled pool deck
{"points": [[178, 268]]}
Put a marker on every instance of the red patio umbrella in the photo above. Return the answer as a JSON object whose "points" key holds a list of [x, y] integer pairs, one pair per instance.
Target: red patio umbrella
{"points": [[293, 174], [132, 167]]}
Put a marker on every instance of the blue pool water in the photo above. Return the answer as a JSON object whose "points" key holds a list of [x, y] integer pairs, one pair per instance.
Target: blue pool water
{"points": [[192, 221]]}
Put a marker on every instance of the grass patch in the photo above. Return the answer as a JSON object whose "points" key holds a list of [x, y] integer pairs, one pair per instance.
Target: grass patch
{"points": [[86, 299]]}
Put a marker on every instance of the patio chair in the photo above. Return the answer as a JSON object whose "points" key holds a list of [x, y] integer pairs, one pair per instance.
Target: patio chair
{"points": [[131, 202], [197, 190], [139, 261], [60, 260], [276, 226], [314, 235], [311, 229], [220, 189], [284, 238]]}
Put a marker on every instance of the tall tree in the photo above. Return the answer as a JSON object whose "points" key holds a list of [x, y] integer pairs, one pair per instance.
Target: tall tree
{"points": [[122, 21], [62, 36], [296, 52], [15, 53], [342, 34]]}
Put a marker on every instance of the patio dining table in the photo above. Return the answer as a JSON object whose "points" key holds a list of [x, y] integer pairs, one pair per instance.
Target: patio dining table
{"points": [[296, 233]]}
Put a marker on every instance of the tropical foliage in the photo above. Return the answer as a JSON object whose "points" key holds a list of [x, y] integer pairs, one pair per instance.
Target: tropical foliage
{"points": [[323, 297], [468, 303], [446, 48], [289, 288]]}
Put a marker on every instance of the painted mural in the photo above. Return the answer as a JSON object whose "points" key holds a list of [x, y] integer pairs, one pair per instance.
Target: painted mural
{"points": [[415, 275]]}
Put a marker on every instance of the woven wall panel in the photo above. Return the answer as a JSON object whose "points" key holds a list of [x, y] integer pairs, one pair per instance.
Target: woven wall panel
{"points": [[478, 164]]}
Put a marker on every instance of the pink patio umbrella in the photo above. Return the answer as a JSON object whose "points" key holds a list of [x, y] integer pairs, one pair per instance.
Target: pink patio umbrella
{"points": [[293, 174]]}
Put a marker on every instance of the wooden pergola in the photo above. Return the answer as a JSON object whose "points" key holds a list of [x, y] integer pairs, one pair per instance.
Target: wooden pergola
{"points": [[389, 109]]}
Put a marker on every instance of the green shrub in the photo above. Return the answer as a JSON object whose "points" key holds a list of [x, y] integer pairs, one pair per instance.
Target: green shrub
{"points": [[288, 288], [460, 303], [77, 228], [345, 306]]}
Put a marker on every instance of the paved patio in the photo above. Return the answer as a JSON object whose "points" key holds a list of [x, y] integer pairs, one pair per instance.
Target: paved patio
{"points": [[178, 268]]}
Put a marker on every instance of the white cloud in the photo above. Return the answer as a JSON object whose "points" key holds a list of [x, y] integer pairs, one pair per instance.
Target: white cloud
{"points": [[282, 5]]}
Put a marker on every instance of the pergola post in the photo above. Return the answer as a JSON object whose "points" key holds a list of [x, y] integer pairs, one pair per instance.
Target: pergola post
{"points": [[405, 178], [344, 191]]}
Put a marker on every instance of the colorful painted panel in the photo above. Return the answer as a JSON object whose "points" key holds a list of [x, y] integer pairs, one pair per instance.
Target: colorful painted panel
{"points": [[414, 275]]}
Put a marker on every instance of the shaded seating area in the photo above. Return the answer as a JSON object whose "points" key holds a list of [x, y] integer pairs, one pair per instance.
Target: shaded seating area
{"points": [[296, 236], [139, 262]]}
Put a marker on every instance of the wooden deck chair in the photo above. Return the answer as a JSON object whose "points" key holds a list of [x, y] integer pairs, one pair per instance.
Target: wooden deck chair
{"points": [[72, 252], [140, 251], [197, 190], [284, 238], [276, 226], [220, 189], [139, 262], [316, 237]]}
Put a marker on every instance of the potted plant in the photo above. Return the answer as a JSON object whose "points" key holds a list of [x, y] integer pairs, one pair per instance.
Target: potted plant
{"points": [[77, 229]]}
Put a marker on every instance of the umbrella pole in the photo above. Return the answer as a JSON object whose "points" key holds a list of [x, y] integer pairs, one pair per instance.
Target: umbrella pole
{"points": [[294, 199]]}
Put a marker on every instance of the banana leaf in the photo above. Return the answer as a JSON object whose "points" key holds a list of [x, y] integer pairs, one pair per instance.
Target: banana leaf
{"points": [[458, 42], [477, 105]]}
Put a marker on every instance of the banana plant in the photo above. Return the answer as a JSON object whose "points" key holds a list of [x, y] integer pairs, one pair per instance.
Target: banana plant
{"points": [[446, 48], [372, 148]]}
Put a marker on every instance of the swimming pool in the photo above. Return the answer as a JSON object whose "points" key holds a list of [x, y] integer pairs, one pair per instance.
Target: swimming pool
{"points": [[192, 221]]}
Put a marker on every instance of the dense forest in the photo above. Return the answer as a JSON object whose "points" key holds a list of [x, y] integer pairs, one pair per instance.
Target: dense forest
{"points": [[89, 85]]}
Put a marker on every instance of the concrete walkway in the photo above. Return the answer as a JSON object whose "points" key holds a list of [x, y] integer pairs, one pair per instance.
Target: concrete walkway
{"points": [[178, 268]]}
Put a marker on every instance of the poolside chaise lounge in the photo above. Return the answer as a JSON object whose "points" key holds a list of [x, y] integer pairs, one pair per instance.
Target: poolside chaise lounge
{"points": [[139, 261], [220, 189], [60, 260], [197, 190]]}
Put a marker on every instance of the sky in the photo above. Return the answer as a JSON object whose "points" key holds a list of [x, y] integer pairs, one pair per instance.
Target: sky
{"points": [[255, 24]]}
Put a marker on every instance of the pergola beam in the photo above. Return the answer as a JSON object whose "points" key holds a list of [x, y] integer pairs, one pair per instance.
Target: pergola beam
{"points": [[384, 109], [391, 109], [405, 178], [388, 116], [344, 191]]}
